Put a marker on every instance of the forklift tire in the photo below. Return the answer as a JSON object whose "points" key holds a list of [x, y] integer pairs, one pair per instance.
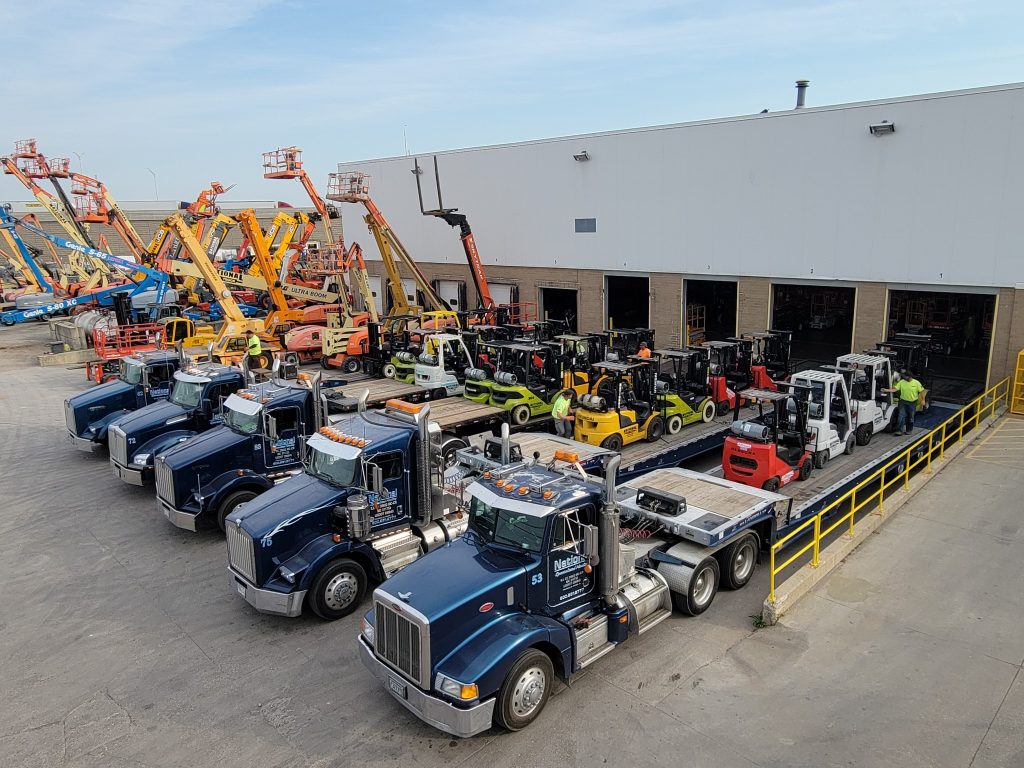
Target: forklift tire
{"points": [[656, 429], [520, 415], [771, 484], [894, 421], [701, 590], [612, 443], [337, 589], [389, 370], [737, 561], [864, 433], [7, 321], [325, 363], [806, 468], [820, 458], [525, 691], [722, 408], [675, 423], [707, 411], [851, 443], [351, 365], [230, 504]]}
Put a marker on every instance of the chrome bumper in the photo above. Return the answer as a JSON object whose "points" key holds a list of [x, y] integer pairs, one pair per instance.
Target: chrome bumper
{"points": [[129, 475], [84, 444], [430, 709], [266, 600], [176, 516]]}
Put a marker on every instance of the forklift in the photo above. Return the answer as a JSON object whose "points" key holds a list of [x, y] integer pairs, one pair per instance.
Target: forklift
{"points": [[831, 430], [528, 378], [682, 388], [770, 351], [442, 365], [909, 351], [770, 450], [621, 407], [622, 343]]}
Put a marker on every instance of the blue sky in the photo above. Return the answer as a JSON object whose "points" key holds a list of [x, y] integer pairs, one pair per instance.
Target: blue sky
{"points": [[196, 91]]}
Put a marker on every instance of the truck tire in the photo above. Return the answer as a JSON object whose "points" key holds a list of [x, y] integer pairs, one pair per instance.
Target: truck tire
{"points": [[337, 589], [351, 365], [656, 429], [737, 561], [851, 443], [701, 590], [230, 504], [707, 411], [389, 370], [612, 443], [525, 692], [520, 415], [864, 433], [771, 484], [675, 423], [820, 457]]}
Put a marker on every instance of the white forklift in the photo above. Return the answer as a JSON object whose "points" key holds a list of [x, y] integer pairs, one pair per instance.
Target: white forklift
{"points": [[868, 376], [830, 425], [442, 365]]}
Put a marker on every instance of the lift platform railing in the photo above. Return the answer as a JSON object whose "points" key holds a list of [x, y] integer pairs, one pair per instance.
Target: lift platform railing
{"points": [[1017, 395], [872, 491], [119, 341]]}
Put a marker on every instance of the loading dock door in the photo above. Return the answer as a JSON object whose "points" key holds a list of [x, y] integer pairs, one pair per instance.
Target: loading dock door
{"points": [[504, 293], [709, 308], [627, 301], [821, 319], [559, 304], [452, 291], [376, 286]]}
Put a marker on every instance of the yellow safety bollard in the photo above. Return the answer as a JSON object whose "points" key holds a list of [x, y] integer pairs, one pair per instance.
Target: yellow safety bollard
{"points": [[815, 561]]}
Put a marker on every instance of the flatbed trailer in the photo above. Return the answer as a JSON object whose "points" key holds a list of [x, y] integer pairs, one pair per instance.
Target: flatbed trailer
{"points": [[380, 391]]}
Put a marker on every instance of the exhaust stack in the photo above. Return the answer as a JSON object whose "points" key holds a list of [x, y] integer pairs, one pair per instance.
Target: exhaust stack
{"points": [[801, 92], [609, 545]]}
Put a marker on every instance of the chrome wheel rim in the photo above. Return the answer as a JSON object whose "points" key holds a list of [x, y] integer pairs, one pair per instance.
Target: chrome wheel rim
{"points": [[528, 692], [341, 591], [703, 587], [743, 563]]}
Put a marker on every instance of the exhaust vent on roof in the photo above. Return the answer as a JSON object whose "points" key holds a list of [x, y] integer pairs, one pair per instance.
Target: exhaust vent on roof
{"points": [[801, 92]]}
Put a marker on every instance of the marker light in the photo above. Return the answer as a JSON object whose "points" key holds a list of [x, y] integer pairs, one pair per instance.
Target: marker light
{"points": [[523, 490], [402, 405], [468, 692], [571, 458]]}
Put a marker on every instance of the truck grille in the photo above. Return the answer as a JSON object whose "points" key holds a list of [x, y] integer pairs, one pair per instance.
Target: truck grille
{"points": [[164, 481], [118, 445], [400, 643], [69, 417], [240, 552]]}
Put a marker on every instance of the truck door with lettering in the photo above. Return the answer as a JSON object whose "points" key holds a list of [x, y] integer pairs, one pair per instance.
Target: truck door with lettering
{"points": [[568, 583]]}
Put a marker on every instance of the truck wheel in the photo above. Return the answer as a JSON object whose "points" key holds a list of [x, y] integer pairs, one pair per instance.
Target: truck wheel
{"points": [[820, 458], [675, 423], [656, 429], [612, 443], [771, 484], [337, 589], [520, 415], [389, 370], [525, 691], [851, 442], [864, 433], [231, 503], [737, 562], [701, 590], [351, 365], [707, 411]]}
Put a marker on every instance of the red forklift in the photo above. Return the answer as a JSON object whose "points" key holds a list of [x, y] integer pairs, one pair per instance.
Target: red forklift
{"points": [[769, 450]]}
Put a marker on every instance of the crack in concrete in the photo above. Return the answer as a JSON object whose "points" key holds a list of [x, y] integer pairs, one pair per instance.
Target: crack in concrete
{"points": [[994, 717]]}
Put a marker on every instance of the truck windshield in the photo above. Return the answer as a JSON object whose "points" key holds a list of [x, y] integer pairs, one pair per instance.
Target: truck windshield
{"points": [[334, 469], [132, 372], [187, 394], [501, 526], [243, 423]]}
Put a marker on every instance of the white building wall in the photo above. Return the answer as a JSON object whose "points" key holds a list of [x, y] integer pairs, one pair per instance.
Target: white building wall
{"points": [[807, 194]]}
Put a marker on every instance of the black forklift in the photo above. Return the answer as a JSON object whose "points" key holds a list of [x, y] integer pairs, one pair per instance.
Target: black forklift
{"points": [[770, 349], [621, 343]]}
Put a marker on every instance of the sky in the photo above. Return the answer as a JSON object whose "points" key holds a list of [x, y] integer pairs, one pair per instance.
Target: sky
{"points": [[159, 98]]}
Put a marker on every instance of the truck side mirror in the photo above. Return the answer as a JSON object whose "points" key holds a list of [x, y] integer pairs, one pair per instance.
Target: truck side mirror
{"points": [[373, 477], [590, 543], [271, 427]]}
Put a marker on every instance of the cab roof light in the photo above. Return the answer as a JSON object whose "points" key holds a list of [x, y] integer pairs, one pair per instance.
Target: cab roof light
{"points": [[402, 405], [523, 490], [567, 456], [548, 494]]}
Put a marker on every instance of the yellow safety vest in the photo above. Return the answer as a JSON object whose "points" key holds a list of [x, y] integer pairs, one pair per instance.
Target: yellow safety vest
{"points": [[254, 345]]}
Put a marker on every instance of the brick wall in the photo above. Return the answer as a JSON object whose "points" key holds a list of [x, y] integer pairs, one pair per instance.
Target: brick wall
{"points": [[666, 308], [1008, 335], [752, 297], [869, 324]]}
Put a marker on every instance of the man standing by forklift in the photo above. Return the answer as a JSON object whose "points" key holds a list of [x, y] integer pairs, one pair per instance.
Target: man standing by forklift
{"points": [[644, 352], [909, 390], [253, 348], [560, 410]]}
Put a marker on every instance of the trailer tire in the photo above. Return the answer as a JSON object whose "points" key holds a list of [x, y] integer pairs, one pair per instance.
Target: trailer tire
{"points": [[864, 433], [612, 443], [707, 411], [389, 370], [820, 457], [230, 504], [351, 365], [656, 429], [737, 561], [337, 589], [520, 415], [525, 691], [771, 484], [675, 423], [851, 443], [701, 590]]}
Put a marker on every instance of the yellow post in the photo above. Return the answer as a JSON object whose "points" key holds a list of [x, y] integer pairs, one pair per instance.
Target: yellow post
{"points": [[906, 472], [815, 562], [928, 455], [853, 509], [771, 573]]}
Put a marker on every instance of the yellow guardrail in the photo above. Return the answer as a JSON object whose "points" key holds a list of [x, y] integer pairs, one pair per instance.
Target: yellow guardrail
{"points": [[1017, 395], [925, 450]]}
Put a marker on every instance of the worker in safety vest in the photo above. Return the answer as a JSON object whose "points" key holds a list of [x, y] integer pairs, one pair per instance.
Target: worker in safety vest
{"points": [[643, 352], [561, 410], [909, 391], [253, 347]]}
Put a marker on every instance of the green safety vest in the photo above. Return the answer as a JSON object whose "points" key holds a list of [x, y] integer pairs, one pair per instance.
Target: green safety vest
{"points": [[254, 345], [560, 409], [909, 391]]}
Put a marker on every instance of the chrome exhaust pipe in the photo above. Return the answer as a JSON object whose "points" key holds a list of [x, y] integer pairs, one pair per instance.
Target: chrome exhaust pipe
{"points": [[609, 529]]}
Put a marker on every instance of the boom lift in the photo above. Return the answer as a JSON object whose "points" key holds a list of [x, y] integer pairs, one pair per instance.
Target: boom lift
{"points": [[281, 317], [94, 203]]}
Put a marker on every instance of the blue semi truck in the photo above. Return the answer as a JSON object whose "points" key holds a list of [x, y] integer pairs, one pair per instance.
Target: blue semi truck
{"points": [[142, 379]]}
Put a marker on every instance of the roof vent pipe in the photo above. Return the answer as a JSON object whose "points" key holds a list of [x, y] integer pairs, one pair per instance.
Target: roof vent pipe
{"points": [[801, 92]]}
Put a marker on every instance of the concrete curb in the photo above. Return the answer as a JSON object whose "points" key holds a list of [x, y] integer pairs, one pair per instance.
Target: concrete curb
{"points": [[803, 581], [68, 358]]}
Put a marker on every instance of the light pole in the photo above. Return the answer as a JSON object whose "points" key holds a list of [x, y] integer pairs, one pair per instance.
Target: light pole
{"points": [[156, 190], [81, 165]]}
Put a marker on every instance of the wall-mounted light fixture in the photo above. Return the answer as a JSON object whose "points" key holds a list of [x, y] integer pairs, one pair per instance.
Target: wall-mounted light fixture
{"points": [[883, 128], [581, 156]]}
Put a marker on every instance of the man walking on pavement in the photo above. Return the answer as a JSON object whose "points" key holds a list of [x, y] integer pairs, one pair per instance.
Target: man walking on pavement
{"points": [[560, 410], [909, 391]]}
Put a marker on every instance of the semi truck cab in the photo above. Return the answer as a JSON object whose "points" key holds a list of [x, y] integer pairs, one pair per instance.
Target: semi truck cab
{"points": [[143, 378], [195, 405]]}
